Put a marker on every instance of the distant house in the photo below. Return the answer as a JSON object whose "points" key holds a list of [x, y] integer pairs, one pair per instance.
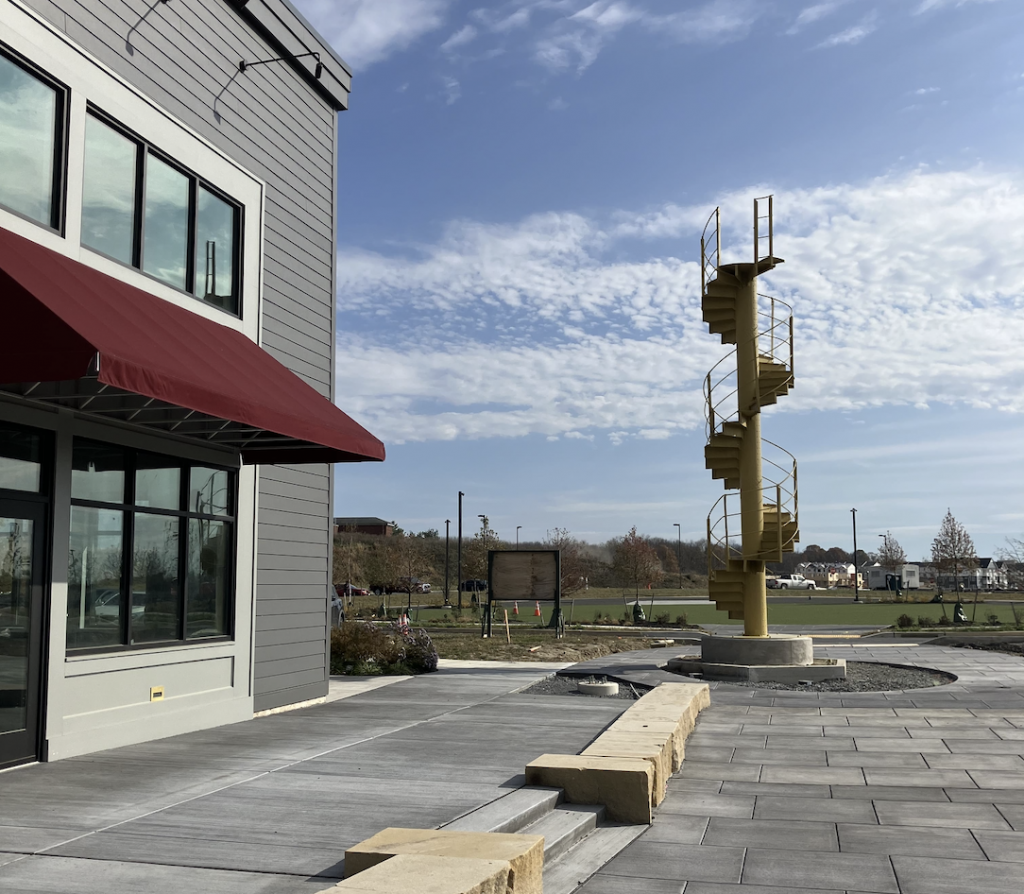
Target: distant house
{"points": [[989, 574], [375, 526], [830, 574]]}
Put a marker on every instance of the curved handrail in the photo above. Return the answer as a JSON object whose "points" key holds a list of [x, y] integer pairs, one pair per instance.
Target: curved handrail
{"points": [[778, 491], [710, 256]]}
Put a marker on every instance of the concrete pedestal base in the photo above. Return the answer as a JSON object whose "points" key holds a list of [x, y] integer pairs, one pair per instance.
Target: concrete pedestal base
{"points": [[775, 650], [774, 659]]}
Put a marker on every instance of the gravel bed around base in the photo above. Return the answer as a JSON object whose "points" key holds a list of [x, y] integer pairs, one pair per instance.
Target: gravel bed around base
{"points": [[864, 676], [567, 686]]}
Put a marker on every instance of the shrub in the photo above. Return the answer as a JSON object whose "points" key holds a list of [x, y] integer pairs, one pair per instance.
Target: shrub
{"points": [[661, 619], [944, 621], [682, 620], [925, 621], [993, 619], [363, 649], [904, 621]]}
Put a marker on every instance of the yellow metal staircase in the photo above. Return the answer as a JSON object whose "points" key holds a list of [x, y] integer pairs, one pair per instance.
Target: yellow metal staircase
{"points": [[731, 560]]}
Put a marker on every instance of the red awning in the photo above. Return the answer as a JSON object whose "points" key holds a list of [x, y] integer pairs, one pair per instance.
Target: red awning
{"points": [[79, 338]]}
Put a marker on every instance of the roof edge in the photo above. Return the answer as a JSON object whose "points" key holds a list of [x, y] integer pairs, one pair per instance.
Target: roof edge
{"points": [[284, 28]]}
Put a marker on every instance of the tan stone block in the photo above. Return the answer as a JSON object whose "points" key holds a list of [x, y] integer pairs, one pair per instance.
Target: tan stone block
{"points": [[672, 730], [652, 747], [426, 874], [525, 853], [622, 785]]}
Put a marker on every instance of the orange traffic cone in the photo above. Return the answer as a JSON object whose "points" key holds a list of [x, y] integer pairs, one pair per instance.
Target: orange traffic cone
{"points": [[536, 611], [515, 608]]}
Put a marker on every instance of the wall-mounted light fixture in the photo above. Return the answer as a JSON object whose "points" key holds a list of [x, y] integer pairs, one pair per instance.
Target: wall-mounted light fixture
{"points": [[319, 70]]}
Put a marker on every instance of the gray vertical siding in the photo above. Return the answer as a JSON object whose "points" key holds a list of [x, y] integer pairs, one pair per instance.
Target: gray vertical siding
{"points": [[184, 56]]}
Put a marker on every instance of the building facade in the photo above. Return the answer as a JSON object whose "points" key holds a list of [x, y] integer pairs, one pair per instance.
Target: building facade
{"points": [[167, 417]]}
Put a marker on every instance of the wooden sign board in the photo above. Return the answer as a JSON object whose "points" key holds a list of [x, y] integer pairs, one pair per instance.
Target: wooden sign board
{"points": [[529, 574]]}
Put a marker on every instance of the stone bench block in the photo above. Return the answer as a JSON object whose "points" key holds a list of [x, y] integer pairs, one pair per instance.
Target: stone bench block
{"points": [[671, 731], [653, 747], [426, 874], [524, 853], [622, 785]]}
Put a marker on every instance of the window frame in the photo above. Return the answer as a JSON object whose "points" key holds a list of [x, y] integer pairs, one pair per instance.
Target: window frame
{"points": [[144, 149], [61, 130], [130, 509]]}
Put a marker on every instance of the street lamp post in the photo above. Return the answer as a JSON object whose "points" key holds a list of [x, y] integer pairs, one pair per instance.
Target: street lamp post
{"points": [[856, 572], [679, 552], [458, 568], [517, 537], [447, 556]]}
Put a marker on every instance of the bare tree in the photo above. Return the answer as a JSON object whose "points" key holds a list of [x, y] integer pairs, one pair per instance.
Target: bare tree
{"points": [[635, 562], [1013, 556], [953, 550], [574, 567]]}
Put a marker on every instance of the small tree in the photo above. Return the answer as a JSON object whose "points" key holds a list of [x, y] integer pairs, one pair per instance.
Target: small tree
{"points": [[891, 556], [574, 567], [635, 562], [953, 549]]}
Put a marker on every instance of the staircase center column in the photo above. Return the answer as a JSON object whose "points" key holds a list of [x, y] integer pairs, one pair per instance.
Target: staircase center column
{"points": [[755, 602]]}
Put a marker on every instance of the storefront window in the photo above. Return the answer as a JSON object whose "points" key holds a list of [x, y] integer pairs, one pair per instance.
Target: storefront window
{"points": [[165, 253], [216, 221], [31, 114], [108, 191], [145, 211], [96, 602], [156, 589], [21, 463], [177, 583], [209, 577]]}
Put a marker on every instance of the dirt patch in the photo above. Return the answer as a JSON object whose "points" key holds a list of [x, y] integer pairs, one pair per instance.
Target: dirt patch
{"points": [[572, 648]]}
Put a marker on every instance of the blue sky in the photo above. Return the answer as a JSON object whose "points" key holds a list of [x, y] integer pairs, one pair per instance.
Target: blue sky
{"points": [[522, 193]]}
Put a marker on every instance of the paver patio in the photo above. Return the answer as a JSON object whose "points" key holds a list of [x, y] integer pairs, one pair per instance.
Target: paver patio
{"points": [[918, 792]]}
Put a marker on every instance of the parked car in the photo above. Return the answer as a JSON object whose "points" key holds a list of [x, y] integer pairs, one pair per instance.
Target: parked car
{"points": [[347, 589], [791, 582], [402, 585], [474, 586]]}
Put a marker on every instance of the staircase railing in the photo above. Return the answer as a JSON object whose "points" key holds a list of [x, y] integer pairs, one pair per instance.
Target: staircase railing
{"points": [[775, 329], [764, 229], [720, 388], [778, 492], [710, 250]]}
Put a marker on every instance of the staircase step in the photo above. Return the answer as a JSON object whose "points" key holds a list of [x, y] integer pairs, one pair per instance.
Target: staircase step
{"points": [[564, 827], [511, 813], [577, 865]]}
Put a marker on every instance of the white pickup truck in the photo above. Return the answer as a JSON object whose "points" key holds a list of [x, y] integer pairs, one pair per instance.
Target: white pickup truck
{"points": [[791, 582]]}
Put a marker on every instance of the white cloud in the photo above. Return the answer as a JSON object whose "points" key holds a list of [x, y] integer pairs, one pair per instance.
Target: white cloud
{"points": [[852, 35], [452, 90], [460, 38], [717, 21], [810, 14], [909, 290], [367, 31], [924, 91], [927, 5]]}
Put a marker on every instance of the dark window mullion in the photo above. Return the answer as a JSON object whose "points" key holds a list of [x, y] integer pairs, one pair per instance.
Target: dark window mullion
{"points": [[190, 238], [128, 559], [61, 128], [183, 534], [139, 224]]}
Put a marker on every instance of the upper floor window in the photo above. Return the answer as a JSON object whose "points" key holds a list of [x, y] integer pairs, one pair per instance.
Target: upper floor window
{"points": [[31, 143], [139, 208]]}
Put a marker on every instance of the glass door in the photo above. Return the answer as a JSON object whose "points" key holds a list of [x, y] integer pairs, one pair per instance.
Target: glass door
{"points": [[22, 548]]}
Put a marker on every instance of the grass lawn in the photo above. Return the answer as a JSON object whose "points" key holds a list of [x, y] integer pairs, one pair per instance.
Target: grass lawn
{"points": [[791, 613]]}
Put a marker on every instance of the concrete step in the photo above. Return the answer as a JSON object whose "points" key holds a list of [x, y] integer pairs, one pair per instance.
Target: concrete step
{"points": [[576, 865], [519, 808], [564, 827]]}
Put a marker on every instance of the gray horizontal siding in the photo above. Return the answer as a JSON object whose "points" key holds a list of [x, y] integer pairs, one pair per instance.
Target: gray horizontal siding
{"points": [[184, 56]]}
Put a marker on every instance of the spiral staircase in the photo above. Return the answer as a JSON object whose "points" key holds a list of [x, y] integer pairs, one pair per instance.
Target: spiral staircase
{"points": [[744, 532]]}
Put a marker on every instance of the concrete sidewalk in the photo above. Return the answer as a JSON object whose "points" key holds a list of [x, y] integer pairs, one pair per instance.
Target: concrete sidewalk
{"points": [[271, 804]]}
